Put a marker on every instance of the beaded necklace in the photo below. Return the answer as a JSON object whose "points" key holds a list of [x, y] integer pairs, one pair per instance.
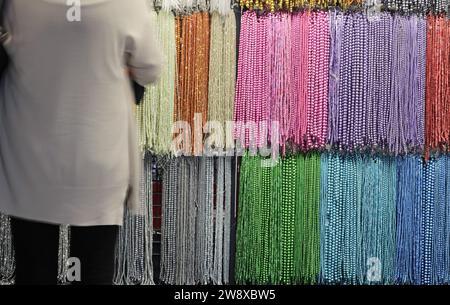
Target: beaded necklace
{"points": [[427, 223], [288, 214], [440, 227], [7, 261], [168, 223], [63, 253], [227, 220], [219, 218]]}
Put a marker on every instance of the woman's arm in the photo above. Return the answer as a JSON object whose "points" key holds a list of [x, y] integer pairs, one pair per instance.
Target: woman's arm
{"points": [[145, 58]]}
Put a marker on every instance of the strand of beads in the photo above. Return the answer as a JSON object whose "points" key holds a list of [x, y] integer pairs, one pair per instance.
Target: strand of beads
{"points": [[219, 218], [63, 253], [445, 189], [288, 213], [427, 223], [275, 226], [440, 228], [168, 226], [299, 39]]}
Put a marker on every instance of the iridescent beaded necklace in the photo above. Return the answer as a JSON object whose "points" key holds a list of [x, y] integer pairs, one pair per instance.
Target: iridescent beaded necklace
{"points": [[288, 214], [168, 223], [427, 223], [440, 225]]}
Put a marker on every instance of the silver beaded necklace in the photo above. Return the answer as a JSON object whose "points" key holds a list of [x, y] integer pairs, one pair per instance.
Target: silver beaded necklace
{"points": [[134, 245], [7, 264]]}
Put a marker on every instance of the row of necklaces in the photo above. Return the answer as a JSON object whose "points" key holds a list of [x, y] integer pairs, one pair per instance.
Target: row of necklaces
{"points": [[196, 203], [277, 238], [438, 84], [377, 83], [357, 219], [344, 219], [281, 88], [404, 6]]}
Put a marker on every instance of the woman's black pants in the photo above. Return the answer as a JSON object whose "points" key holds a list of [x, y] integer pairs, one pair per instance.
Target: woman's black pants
{"points": [[36, 252]]}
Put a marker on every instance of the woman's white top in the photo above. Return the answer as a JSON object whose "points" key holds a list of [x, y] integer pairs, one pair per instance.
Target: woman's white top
{"points": [[68, 137]]}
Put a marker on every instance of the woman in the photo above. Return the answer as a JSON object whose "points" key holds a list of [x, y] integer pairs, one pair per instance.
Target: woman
{"points": [[68, 145]]}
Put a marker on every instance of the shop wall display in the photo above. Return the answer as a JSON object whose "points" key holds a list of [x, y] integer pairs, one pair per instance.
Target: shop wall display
{"points": [[353, 95]]}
